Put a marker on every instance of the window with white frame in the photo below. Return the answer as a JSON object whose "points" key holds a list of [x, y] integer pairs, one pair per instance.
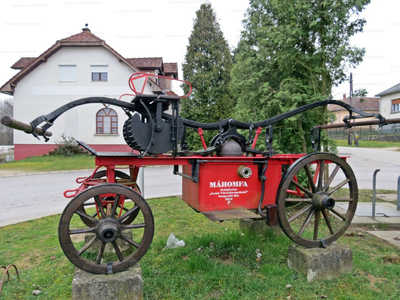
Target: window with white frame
{"points": [[99, 72], [106, 121], [396, 105], [67, 72]]}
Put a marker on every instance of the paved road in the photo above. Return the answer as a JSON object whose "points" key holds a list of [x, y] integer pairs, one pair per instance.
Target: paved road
{"points": [[34, 196], [364, 161]]}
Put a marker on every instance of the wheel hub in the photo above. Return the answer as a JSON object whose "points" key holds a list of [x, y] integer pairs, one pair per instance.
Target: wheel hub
{"points": [[322, 201], [108, 230]]}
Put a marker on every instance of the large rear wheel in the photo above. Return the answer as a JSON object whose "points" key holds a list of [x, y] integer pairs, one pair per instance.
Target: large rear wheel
{"points": [[317, 199]]}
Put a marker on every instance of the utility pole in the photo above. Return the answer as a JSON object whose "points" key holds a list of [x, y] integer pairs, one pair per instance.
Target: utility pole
{"points": [[350, 96]]}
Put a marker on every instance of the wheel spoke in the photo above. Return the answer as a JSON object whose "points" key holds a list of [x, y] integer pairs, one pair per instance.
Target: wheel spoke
{"points": [[328, 223], [310, 178], [83, 230], [118, 251], [128, 240], [133, 210], [303, 227], [321, 174], [131, 226], [91, 220], [309, 193], [87, 245], [299, 213], [331, 177], [343, 199], [306, 200], [330, 192], [316, 224], [100, 254], [338, 214], [100, 206], [115, 205]]}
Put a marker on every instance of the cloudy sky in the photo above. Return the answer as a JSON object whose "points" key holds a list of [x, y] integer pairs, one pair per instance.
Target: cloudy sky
{"points": [[162, 27]]}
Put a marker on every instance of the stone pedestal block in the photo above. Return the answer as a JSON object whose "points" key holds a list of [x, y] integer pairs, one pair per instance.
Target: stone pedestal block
{"points": [[127, 285], [321, 263], [258, 227]]}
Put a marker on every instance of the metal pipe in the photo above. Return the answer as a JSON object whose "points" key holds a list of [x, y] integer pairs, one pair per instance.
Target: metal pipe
{"points": [[374, 192], [398, 193], [141, 176], [360, 123]]}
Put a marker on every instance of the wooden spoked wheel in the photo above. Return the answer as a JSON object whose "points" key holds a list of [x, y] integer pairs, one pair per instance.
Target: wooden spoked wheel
{"points": [[317, 199], [106, 244], [120, 177]]}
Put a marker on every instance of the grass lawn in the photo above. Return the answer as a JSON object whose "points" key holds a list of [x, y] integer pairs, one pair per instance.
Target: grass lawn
{"points": [[50, 163], [368, 144], [218, 262]]}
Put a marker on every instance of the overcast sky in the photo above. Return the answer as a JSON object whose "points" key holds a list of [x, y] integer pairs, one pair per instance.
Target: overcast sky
{"points": [[160, 28]]}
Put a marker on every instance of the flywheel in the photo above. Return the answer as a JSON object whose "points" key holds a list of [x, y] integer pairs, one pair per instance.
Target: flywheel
{"points": [[138, 133]]}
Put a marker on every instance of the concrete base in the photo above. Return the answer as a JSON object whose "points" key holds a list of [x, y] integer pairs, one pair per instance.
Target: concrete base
{"points": [[321, 263], [258, 227], [127, 285]]}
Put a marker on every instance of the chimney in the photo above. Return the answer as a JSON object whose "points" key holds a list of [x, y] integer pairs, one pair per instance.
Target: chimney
{"points": [[86, 28]]}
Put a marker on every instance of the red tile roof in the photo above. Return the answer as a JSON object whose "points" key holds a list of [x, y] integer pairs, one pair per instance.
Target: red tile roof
{"points": [[362, 103], [171, 68], [84, 37], [147, 62], [23, 62]]}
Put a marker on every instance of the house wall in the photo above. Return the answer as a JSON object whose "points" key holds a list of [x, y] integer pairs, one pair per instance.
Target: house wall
{"points": [[40, 93], [385, 106], [340, 114]]}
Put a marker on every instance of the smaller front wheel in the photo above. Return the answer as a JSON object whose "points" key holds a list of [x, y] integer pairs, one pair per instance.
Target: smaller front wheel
{"points": [[84, 238], [317, 199]]}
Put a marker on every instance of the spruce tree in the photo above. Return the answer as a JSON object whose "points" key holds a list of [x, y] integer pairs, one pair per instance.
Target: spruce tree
{"points": [[207, 67]]}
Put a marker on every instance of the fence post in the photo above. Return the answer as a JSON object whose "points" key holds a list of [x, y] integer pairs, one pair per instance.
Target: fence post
{"points": [[398, 193], [374, 192]]}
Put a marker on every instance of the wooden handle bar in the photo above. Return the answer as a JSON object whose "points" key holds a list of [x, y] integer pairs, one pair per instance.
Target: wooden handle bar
{"points": [[12, 123]]}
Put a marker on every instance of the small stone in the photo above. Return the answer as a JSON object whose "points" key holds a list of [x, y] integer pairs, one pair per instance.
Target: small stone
{"points": [[288, 286], [53, 258], [35, 292], [392, 258], [200, 250]]}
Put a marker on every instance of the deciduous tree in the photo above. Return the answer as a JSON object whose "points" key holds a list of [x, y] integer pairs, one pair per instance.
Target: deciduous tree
{"points": [[292, 53]]}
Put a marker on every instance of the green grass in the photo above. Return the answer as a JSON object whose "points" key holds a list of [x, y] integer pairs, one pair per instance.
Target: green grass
{"points": [[368, 144], [50, 163], [218, 262]]}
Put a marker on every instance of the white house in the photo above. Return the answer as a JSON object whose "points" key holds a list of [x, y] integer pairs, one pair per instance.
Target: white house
{"points": [[389, 106], [79, 66]]}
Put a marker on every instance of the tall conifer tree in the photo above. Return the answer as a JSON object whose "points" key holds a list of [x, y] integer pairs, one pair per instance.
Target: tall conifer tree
{"points": [[207, 67]]}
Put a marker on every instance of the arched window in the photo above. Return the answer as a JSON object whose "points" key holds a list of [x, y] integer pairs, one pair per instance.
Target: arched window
{"points": [[106, 121]]}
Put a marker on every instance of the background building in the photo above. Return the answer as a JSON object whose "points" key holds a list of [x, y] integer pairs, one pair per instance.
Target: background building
{"points": [[79, 66]]}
